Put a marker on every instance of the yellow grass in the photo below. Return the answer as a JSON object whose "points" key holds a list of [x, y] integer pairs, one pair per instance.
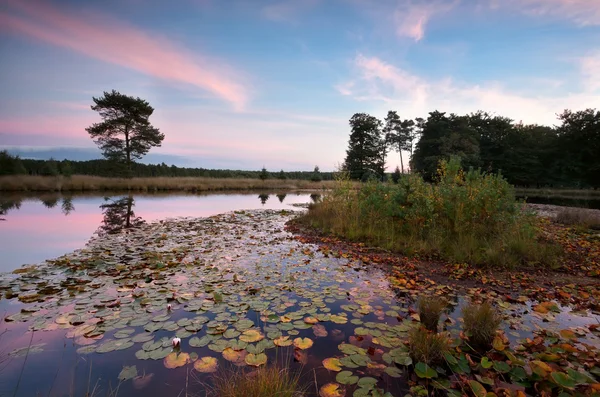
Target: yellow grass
{"points": [[81, 183]]}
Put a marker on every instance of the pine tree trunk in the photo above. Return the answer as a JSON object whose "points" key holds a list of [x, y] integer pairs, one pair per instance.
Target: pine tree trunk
{"points": [[401, 161]]}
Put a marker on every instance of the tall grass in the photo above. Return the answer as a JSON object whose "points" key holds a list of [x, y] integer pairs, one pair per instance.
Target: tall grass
{"points": [[580, 217], [263, 382], [80, 183], [481, 323], [468, 217]]}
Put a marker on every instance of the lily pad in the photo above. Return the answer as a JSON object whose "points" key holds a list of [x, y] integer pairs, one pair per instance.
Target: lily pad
{"points": [[256, 360], [346, 378], [303, 343], [128, 373], [206, 364], [332, 390], [332, 364]]}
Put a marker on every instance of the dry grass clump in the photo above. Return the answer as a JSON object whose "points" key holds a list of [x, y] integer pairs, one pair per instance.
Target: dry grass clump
{"points": [[579, 217], [263, 382], [430, 309], [82, 183], [426, 346], [481, 321]]}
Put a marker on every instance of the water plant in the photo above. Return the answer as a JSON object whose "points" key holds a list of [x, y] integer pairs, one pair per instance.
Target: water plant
{"points": [[264, 381], [481, 321], [427, 347], [430, 309]]}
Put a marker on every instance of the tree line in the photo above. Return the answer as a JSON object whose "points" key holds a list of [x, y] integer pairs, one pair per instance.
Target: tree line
{"points": [[14, 165], [566, 155]]}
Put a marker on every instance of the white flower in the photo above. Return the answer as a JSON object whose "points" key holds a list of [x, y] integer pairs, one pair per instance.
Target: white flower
{"points": [[176, 342]]}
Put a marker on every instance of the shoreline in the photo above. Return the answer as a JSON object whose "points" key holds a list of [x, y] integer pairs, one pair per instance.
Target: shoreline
{"points": [[86, 183]]}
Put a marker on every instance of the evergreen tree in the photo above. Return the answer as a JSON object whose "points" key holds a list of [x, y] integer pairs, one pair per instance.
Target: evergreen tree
{"points": [[125, 134], [396, 175], [316, 175], [363, 157], [264, 174]]}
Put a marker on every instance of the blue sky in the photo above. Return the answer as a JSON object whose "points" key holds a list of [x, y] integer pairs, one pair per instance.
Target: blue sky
{"points": [[242, 84]]}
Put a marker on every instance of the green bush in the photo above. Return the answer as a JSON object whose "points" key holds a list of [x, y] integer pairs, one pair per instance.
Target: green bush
{"points": [[470, 217]]}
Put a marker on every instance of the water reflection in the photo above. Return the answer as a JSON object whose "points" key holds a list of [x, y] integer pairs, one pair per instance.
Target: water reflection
{"points": [[263, 198], [118, 215], [7, 205], [315, 197], [281, 197]]}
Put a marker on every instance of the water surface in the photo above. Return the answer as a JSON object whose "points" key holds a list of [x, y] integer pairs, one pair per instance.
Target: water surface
{"points": [[35, 228]]}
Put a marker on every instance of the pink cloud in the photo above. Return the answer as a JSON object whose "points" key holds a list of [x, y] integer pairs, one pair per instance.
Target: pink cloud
{"points": [[411, 19], [384, 86], [590, 68], [68, 126], [112, 41]]}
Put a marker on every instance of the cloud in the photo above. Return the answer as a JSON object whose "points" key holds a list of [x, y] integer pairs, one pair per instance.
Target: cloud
{"points": [[590, 68], [385, 86], [581, 12], [115, 42], [411, 19], [407, 18], [286, 11]]}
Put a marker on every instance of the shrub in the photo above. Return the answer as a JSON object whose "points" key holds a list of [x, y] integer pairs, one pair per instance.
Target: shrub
{"points": [[266, 381], [430, 309], [480, 324], [426, 346], [470, 217]]}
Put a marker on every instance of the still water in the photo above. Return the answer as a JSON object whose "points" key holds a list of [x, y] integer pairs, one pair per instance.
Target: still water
{"points": [[33, 229], [236, 288]]}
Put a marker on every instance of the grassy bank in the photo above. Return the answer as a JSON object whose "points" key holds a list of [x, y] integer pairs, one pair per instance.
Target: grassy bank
{"points": [[83, 183], [589, 194], [465, 217]]}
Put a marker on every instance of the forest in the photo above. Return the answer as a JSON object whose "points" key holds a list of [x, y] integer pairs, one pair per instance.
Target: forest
{"points": [[527, 155]]}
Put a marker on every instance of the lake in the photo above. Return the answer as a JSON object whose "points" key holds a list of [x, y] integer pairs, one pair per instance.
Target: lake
{"points": [[35, 228], [221, 273]]}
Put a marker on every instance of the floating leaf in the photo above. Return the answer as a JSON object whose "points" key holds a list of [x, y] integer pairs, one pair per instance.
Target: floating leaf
{"points": [[251, 336], [282, 341], [256, 360], [393, 372], [128, 373], [23, 351], [346, 378], [332, 364], [367, 382], [332, 390], [176, 360], [303, 343], [206, 364], [425, 371]]}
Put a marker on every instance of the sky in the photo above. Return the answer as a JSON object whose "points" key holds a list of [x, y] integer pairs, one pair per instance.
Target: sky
{"points": [[245, 84]]}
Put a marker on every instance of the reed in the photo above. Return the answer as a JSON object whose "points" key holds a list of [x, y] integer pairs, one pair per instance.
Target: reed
{"points": [[83, 183]]}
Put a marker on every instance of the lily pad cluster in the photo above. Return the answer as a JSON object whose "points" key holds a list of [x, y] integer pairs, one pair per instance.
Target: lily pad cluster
{"points": [[237, 289]]}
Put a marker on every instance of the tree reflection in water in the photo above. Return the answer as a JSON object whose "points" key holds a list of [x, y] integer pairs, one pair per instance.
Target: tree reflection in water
{"points": [[281, 197], [118, 215], [7, 205], [263, 198]]}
